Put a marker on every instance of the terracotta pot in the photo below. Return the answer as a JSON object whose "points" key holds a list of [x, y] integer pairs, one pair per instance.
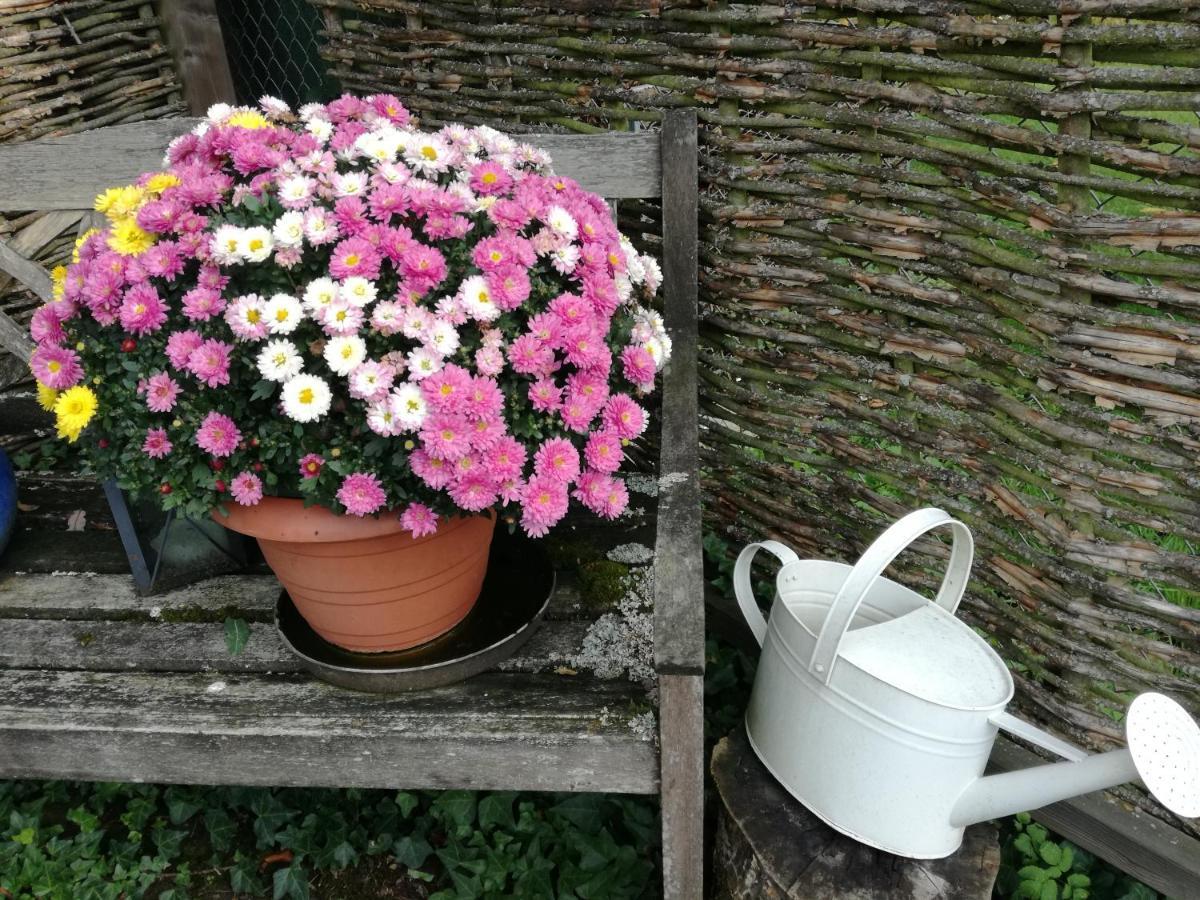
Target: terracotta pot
{"points": [[367, 584]]}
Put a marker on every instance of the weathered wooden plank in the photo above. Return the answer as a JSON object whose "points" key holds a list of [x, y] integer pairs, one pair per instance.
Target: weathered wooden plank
{"points": [[39, 551], [1147, 848], [679, 581], [86, 596], [681, 736], [170, 646], [13, 337], [492, 732], [30, 241], [49, 499], [29, 273], [32, 173], [198, 48]]}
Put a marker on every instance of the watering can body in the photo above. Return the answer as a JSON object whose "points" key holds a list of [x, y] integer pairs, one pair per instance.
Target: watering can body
{"points": [[877, 709]]}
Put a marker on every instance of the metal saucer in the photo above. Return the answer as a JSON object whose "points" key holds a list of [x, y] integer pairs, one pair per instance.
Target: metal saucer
{"points": [[517, 589]]}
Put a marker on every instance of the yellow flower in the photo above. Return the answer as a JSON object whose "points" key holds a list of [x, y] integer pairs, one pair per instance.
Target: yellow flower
{"points": [[128, 239], [79, 242], [156, 184], [125, 203], [58, 275], [104, 202], [247, 118], [74, 409], [46, 397]]}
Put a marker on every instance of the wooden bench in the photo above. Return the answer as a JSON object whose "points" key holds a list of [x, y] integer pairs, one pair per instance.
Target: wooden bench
{"points": [[98, 683]]}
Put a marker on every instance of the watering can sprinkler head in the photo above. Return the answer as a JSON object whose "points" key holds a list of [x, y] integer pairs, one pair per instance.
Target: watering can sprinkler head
{"points": [[1163, 752]]}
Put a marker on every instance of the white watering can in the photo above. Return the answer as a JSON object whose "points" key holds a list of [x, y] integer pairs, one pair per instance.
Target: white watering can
{"points": [[877, 709]]}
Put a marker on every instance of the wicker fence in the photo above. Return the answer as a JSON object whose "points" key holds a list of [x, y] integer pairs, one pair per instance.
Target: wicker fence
{"points": [[949, 252]]}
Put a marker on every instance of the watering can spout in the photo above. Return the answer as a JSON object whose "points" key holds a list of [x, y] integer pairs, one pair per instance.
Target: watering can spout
{"points": [[1163, 741]]}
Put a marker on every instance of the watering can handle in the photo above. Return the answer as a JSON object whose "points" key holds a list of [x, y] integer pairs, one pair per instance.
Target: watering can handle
{"points": [[745, 591], [870, 566]]}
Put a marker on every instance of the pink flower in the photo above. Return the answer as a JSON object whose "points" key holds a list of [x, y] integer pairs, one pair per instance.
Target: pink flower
{"points": [[473, 493], [200, 304], [46, 326], [164, 260], [490, 178], [434, 472], [615, 498], [56, 367], [247, 317], [142, 310], [585, 346], [483, 400], [361, 494], [310, 465], [246, 488], [446, 436], [557, 459], [161, 392], [218, 434], [446, 390], [180, 346], [545, 395], [424, 267], [638, 366], [419, 519], [156, 445], [604, 452], [489, 361], [508, 287], [528, 356], [509, 214], [543, 503], [506, 459], [354, 256], [495, 253], [388, 107], [210, 362], [624, 416]]}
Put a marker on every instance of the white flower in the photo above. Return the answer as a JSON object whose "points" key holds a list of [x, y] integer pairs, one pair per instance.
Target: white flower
{"points": [[442, 338], [562, 222], [310, 111], [317, 225], [296, 189], [349, 184], [565, 258], [633, 262], [358, 291], [624, 286], [422, 363], [279, 360], [284, 313], [428, 154], [408, 406], [256, 244], [344, 353], [319, 293], [227, 245], [477, 300], [381, 418], [273, 106], [218, 111], [657, 351], [653, 276], [416, 320], [321, 129], [288, 230], [393, 173], [306, 398]]}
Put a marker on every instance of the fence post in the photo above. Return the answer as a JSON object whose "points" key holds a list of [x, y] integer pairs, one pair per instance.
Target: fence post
{"points": [[194, 34]]}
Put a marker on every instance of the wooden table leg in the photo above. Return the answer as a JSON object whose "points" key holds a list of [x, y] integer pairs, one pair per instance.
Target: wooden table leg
{"points": [[681, 734]]}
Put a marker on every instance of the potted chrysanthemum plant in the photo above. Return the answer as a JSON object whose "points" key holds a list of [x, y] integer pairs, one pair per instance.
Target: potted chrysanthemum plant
{"points": [[357, 342]]}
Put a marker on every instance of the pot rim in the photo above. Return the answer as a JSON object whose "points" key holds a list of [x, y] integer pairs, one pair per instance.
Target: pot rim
{"points": [[287, 519]]}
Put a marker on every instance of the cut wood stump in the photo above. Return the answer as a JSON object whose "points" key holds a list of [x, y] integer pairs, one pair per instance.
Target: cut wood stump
{"points": [[770, 847]]}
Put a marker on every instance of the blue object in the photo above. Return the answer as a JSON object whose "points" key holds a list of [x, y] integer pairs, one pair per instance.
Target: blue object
{"points": [[8, 500]]}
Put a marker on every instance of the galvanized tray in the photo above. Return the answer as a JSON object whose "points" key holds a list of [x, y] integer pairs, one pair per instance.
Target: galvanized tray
{"points": [[517, 589]]}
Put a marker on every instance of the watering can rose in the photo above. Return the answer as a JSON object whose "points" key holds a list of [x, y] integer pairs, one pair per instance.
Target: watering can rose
{"points": [[334, 305]]}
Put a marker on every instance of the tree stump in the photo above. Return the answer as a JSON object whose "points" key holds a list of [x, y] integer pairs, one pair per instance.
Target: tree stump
{"points": [[770, 847]]}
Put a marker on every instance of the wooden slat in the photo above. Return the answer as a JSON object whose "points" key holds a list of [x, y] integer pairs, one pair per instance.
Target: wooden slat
{"points": [[67, 172], [1148, 849], [157, 646], [493, 732], [30, 241], [681, 735], [679, 582], [75, 596], [198, 48]]}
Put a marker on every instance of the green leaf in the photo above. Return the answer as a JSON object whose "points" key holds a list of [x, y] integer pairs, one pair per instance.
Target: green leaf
{"points": [[412, 852], [243, 878], [181, 809], [1068, 858], [1078, 879], [290, 882], [456, 807], [262, 390], [582, 811], [221, 828], [407, 803], [1051, 853], [1049, 891], [25, 836], [344, 854], [237, 633], [1032, 873], [496, 811]]}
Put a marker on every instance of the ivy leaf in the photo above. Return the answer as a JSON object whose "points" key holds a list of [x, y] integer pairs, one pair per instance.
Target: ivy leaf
{"points": [[221, 828], [344, 854], [1051, 853], [582, 811], [407, 803], [495, 810], [290, 882], [412, 852], [457, 807], [181, 809], [262, 389], [237, 633], [243, 878], [25, 836]]}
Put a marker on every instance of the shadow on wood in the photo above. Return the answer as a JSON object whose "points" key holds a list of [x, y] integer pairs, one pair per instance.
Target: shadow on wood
{"points": [[770, 847]]}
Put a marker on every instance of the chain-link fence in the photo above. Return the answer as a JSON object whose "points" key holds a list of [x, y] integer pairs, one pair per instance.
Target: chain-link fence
{"points": [[273, 49]]}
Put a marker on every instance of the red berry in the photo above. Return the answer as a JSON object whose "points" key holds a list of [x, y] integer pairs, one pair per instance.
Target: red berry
{"points": [[217, 464], [219, 485], [102, 443], [257, 467], [128, 345], [254, 442], [164, 488]]}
